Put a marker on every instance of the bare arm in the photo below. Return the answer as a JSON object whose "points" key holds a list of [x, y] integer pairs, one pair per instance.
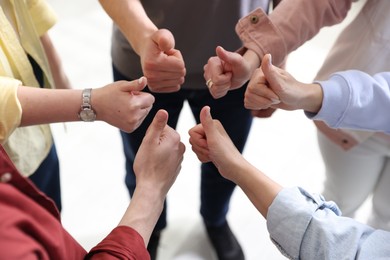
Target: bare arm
{"points": [[161, 63], [131, 18], [210, 142], [156, 166], [272, 87], [61, 80], [121, 104]]}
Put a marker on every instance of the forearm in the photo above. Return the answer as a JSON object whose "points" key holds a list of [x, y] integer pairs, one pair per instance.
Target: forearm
{"points": [[61, 81], [253, 60], [131, 18], [259, 188], [312, 97], [42, 106], [143, 212]]}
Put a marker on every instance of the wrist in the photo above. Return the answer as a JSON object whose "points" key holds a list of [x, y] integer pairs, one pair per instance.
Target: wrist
{"points": [[139, 42], [87, 113], [252, 59], [313, 98]]}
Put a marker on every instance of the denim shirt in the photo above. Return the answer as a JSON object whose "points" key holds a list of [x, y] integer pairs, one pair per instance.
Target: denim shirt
{"points": [[305, 226]]}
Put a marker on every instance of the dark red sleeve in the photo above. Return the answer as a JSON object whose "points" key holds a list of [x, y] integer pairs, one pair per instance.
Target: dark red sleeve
{"points": [[122, 243], [30, 227]]}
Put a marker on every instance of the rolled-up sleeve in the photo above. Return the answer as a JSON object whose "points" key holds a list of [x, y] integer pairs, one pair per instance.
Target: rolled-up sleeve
{"points": [[122, 243], [290, 25], [305, 226], [42, 14], [10, 108], [259, 35]]}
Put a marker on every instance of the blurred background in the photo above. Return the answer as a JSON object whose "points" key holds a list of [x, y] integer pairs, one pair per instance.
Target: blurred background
{"points": [[92, 162]]}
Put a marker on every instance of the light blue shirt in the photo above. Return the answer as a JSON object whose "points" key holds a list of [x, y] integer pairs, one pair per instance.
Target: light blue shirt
{"points": [[356, 100], [305, 226]]}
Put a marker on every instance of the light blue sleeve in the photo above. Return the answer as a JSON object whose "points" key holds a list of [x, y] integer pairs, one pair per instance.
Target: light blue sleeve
{"points": [[356, 100], [305, 226]]}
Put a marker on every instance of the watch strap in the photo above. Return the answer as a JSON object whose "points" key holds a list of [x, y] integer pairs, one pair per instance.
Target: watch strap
{"points": [[86, 99]]}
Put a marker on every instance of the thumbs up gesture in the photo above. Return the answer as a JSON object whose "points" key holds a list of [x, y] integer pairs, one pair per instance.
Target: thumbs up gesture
{"points": [[273, 87], [158, 160]]}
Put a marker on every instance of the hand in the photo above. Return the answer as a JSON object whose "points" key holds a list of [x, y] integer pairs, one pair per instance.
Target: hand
{"points": [[122, 104], [263, 113], [272, 87], [162, 65], [158, 160], [210, 142], [227, 71]]}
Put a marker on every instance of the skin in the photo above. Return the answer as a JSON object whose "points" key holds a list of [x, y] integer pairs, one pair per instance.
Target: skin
{"points": [[61, 80], [211, 143], [121, 104], [229, 70], [161, 63], [272, 87], [157, 164]]}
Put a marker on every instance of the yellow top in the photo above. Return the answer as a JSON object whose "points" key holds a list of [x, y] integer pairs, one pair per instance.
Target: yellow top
{"points": [[22, 22], [10, 109]]}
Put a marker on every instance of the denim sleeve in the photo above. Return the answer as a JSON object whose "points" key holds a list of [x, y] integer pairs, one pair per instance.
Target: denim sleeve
{"points": [[305, 226]]}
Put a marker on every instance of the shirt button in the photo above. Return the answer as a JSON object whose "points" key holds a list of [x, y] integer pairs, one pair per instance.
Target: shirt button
{"points": [[254, 19], [6, 177]]}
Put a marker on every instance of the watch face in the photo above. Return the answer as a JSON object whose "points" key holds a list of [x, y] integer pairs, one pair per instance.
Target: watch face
{"points": [[87, 115]]}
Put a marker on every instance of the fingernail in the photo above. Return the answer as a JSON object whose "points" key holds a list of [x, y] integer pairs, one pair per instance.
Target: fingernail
{"points": [[140, 80], [270, 60], [275, 101]]}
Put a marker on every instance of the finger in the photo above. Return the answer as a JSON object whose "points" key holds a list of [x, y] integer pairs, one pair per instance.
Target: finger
{"points": [[202, 155], [211, 68], [166, 89], [262, 91], [257, 102], [218, 92], [164, 39], [134, 85], [197, 136], [158, 124], [206, 120], [229, 58], [270, 72]]}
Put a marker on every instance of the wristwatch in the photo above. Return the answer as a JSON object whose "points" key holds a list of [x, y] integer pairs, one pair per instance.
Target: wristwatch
{"points": [[87, 114]]}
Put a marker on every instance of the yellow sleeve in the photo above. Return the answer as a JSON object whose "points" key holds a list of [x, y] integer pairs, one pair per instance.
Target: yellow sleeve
{"points": [[42, 14], [10, 108]]}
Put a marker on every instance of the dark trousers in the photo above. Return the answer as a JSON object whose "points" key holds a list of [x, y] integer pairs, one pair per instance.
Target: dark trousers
{"points": [[216, 191], [47, 177]]}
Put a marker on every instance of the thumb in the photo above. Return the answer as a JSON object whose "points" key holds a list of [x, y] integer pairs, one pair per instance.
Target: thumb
{"points": [[206, 120], [269, 71], [135, 85], [226, 56], [158, 124], [164, 40]]}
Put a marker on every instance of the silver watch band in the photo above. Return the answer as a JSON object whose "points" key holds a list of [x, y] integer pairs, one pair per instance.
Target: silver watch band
{"points": [[86, 99]]}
